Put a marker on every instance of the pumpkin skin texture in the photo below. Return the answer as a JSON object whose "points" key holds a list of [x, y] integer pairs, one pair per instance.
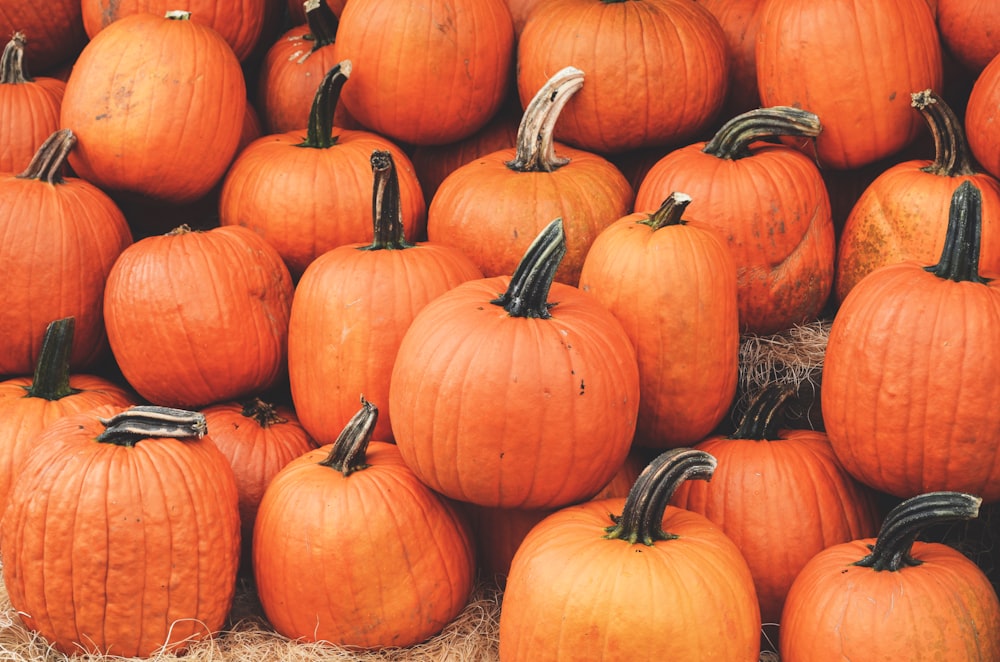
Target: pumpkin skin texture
{"points": [[981, 126], [121, 549], [467, 369], [635, 55], [54, 30], [970, 31], [429, 72], [29, 107], [56, 265], [811, 54], [221, 300], [740, 20], [909, 375], [354, 550], [135, 86]]}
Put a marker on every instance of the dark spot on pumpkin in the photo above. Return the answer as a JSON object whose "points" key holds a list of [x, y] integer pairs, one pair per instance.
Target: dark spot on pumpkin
{"points": [[581, 387], [892, 96], [102, 116]]}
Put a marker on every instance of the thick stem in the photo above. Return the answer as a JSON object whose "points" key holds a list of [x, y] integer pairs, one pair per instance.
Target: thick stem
{"points": [[348, 453], [670, 211], [960, 256], [319, 134], [264, 413], [894, 544], [152, 422], [765, 414], [51, 380], [323, 24], [535, 142], [12, 61], [733, 139], [642, 517], [952, 155], [48, 162], [528, 291], [387, 212]]}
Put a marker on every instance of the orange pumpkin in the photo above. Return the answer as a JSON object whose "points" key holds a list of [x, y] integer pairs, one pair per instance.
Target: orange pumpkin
{"points": [[30, 106], [981, 125], [54, 30]]}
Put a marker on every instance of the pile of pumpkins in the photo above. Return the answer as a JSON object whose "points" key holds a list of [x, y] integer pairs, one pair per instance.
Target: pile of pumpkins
{"points": [[368, 299]]}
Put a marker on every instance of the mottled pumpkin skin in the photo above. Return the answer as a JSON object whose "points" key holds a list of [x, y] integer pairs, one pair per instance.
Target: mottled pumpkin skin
{"points": [[121, 550]]}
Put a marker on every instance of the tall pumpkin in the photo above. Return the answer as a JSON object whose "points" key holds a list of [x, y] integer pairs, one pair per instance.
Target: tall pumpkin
{"points": [[157, 103], [910, 372], [502, 380], [122, 533]]}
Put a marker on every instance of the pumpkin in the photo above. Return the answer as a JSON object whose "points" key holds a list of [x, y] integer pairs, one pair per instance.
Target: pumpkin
{"points": [[121, 534], [500, 381], [352, 306], [780, 494], [970, 31], [307, 192], [297, 9], [870, 598], [493, 207], [61, 236], [427, 73], [340, 557], [136, 85], [768, 202], [981, 117], [54, 30], [811, 55], [902, 213], [740, 21], [910, 370], [631, 579], [657, 70], [196, 318]]}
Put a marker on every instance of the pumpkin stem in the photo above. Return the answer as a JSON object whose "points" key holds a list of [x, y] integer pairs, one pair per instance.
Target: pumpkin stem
{"points": [[264, 413], [348, 453], [670, 211], [323, 24], [764, 416], [642, 517], [387, 212], [904, 523], [151, 421], [951, 149], [319, 134], [51, 380], [733, 139], [177, 15], [47, 163], [960, 257], [535, 142], [12, 69], [528, 290]]}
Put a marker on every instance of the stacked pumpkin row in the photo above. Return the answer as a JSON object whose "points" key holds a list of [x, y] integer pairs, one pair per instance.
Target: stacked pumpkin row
{"points": [[642, 312]]}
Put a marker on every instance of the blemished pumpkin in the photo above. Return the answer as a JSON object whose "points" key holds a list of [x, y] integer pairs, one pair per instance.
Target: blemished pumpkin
{"points": [[894, 597], [501, 381], [672, 285], [136, 84], [631, 579], [910, 370], [141, 533], [350, 548]]}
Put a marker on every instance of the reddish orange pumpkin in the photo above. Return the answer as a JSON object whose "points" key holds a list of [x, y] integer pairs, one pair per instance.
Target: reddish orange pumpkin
{"points": [[54, 30], [982, 127], [740, 21], [970, 31]]}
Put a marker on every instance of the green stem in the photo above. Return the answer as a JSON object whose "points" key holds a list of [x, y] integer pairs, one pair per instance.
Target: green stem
{"points": [[951, 149], [319, 134], [51, 380], [960, 257], [348, 452], [670, 211], [894, 544], [535, 141], [12, 61], [642, 517], [733, 139], [387, 212], [765, 414], [323, 24], [528, 291], [152, 422], [48, 162], [264, 413]]}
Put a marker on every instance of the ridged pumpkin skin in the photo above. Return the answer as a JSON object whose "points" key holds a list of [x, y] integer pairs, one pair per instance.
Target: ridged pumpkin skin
{"points": [[811, 55], [158, 106], [119, 549], [981, 126], [657, 70], [429, 72], [196, 318], [29, 107], [54, 30]]}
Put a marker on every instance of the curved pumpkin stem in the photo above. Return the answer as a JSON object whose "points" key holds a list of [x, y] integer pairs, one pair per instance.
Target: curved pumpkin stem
{"points": [[348, 452], [12, 69], [264, 413], [319, 134], [48, 162], [960, 257], [733, 139], [387, 212], [535, 142], [642, 517], [670, 211], [893, 546], [763, 417], [152, 422], [951, 149], [323, 24], [528, 291], [51, 380]]}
